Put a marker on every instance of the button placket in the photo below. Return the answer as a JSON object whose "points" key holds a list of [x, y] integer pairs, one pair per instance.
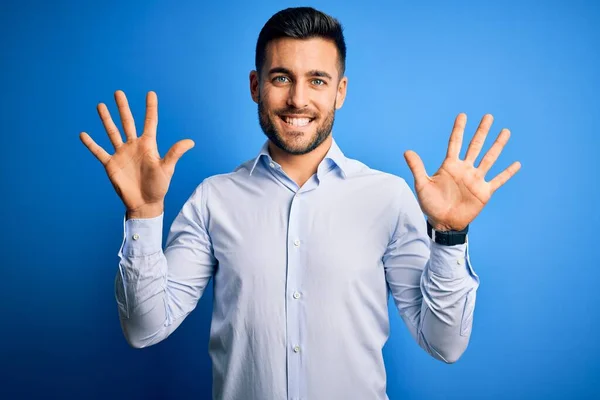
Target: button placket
{"points": [[293, 306]]}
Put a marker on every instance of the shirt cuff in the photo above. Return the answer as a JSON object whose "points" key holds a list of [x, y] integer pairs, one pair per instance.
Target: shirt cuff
{"points": [[450, 262], [141, 237]]}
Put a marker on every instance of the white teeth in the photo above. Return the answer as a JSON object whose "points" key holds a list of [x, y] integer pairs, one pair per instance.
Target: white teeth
{"points": [[297, 121]]}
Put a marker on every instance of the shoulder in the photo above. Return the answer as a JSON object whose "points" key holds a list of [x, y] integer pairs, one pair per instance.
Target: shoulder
{"points": [[225, 185], [241, 172], [386, 181]]}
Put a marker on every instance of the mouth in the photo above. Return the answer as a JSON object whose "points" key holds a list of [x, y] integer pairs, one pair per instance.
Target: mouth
{"points": [[296, 121]]}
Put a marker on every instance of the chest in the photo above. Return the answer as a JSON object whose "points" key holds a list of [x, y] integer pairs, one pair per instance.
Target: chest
{"points": [[322, 238]]}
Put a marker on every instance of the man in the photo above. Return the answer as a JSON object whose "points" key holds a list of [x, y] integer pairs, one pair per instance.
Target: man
{"points": [[304, 244]]}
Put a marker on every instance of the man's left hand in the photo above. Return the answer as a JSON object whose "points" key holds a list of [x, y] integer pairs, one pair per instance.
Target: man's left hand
{"points": [[457, 192]]}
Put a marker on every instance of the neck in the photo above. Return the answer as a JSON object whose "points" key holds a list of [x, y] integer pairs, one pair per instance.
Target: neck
{"points": [[300, 167]]}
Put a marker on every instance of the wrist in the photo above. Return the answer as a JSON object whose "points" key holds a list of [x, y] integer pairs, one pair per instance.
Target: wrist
{"points": [[439, 226], [146, 211]]}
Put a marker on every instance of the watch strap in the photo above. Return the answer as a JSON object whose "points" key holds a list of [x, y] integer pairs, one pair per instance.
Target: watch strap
{"points": [[447, 238]]}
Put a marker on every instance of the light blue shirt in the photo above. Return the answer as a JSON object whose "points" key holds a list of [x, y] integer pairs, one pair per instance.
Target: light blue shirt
{"points": [[302, 277]]}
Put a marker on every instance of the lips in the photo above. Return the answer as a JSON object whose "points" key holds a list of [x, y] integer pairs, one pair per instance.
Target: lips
{"points": [[296, 121]]}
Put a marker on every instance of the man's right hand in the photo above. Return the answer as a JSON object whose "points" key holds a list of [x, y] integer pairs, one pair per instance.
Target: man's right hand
{"points": [[140, 177]]}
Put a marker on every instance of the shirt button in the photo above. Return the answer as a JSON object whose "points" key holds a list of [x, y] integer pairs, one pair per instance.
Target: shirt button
{"points": [[459, 261], [296, 295], [296, 349], [136, 236], [297, 242], [272, 165]]}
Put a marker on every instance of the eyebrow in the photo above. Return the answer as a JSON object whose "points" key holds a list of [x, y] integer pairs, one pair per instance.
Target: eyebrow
{"points": [[314, 72]]}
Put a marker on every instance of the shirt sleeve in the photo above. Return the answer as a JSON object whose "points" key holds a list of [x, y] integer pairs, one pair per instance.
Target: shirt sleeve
{"points": [[156, 290], [433, 285]]}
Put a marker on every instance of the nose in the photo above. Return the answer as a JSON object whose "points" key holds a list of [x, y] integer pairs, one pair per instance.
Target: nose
{"points": [[297, 96]]}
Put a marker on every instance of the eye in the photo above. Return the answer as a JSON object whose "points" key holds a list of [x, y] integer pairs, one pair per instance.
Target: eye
{"points": [[280, 79], [318, 82]]}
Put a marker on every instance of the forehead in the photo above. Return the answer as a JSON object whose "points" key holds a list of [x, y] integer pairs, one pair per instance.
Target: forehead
{"points": [[302, 55]]}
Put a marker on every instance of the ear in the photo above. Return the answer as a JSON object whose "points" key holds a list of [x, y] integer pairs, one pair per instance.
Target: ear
{"points": [[254, 86], [340, 95]]}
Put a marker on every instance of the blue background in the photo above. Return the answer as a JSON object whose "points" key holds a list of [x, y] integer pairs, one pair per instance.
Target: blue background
{"points": [[412, 68]]}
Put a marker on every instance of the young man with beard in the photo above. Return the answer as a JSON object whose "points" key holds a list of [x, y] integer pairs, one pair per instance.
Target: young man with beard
{"points": [[304, 244]]}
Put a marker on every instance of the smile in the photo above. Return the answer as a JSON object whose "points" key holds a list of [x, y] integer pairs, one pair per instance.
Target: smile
{"points": [[296, 121]]}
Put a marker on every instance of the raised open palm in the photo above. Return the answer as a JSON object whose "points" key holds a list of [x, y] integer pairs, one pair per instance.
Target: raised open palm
{"points": [[457, 192], [140, 177]]}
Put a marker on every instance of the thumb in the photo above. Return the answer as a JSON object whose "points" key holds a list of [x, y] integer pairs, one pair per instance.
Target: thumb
{"points": [[416, 167], [175, 153]]}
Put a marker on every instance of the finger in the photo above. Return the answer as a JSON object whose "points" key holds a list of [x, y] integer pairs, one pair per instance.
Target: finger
{"points": [[416, 167], [456, 137], [504, 176], [479, 137], [492, 154], [96, 150], [175, 153], [151, 114], [125, 113], [111, 129]]}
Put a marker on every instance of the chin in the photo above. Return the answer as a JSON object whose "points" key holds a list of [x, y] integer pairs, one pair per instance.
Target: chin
{"points": [[296, 139], [296, 142]]}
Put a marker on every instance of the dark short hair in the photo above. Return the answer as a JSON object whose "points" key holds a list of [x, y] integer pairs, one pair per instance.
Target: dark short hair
{"points": [[301, 23]]}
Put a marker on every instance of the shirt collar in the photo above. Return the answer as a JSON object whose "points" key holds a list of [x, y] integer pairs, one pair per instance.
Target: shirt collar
{"points": [[334, 154], [264, 151]]}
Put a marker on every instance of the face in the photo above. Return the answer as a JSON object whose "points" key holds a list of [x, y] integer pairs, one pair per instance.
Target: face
{"points": [[298, 92]]}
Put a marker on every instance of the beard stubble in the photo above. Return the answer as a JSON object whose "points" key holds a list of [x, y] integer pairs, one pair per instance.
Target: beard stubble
{"points": [[269, 129]]}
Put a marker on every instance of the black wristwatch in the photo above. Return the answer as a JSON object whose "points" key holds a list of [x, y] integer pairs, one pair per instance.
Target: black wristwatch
{"points": [[448, 238]]}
